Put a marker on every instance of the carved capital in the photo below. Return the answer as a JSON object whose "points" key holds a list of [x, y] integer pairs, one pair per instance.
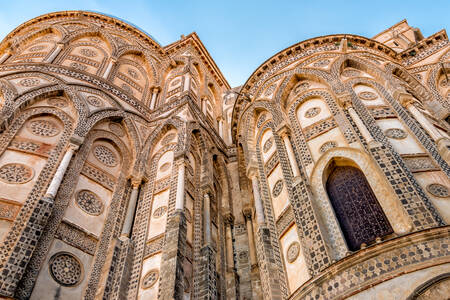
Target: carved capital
{"points": [[345, 101], [405, 99], [136, 182], [228, 218], [283, 130], [247, 211], [252, 170]]}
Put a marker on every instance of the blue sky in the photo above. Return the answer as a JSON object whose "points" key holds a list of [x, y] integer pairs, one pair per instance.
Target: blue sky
{"points": [[241, 35]]}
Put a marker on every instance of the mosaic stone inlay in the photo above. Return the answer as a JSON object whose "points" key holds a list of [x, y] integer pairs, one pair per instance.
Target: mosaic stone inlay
{"points": [[187, 286], [150, 279], [327, 146], [277, 188], [261, 120], [127, 88], [168, 138], [78, 66], [368, 96], [268, 144], [438, 190], [159, 212], [58, 102], [270, 90], [43, 128], [165, 167], [395, 133], [36, 48], [116, 129], [88, 52], [29, 82], [351, 73], [292, 252], [312, 112], [321, 63], [16, 173], [65, 269], [133, 73], [105, 155], [301, 87], [175, 82], [94, 101], [89, 202]]}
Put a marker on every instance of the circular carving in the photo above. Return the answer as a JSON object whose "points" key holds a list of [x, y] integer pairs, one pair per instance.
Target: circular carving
{"points": [[301, 87], [243, 256], [89, 202], [175, 82], [438, 190], [312, 112], [188, 215], [65, 269], [36, 48], [168, 138], [268, 144], [327, 146], [150, 278], [43, 128], [165, 167], [29, 82], [368, 96], [292, 252], [88, 52], [16, 173], [58, 102], [94, 101], [277, 188], [350, 73], [270, 90], [396, 133], [321, 63], [133, 73], [105, 155], [77, 66], [159, 212], [127, 88], [116, 129]]}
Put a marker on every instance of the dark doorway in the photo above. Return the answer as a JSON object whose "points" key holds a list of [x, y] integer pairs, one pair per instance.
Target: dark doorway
{"points": [[359, 214]]}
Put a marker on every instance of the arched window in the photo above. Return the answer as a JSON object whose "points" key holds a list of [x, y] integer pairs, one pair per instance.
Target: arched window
{"points": [[359, 214]]}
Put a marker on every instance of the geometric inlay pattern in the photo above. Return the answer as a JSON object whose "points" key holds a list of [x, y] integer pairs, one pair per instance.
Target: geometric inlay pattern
{"points": [[89, 202], [277, 188], [94, 101], [43, 128], [168, 138], [150, 279], [268, 144], [105, 155], [395, 133], [438, 190], [65, 269], [312, 112], [88, 52], [15, 173], [293, 252], [159, 212], [368, 96], [327, 145]]}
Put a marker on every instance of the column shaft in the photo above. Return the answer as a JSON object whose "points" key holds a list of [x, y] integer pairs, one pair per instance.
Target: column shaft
{"points": [[251, 241], [258, 203], [291, 156], [207, 219], [362, 128], [57, 178], [55, 53], [179, 202], [4, 57], [126, 229], [426, 124], [108, 69]]}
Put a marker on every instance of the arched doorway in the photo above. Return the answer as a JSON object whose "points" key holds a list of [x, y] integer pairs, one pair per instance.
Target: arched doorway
{"points": [[359, 214]]}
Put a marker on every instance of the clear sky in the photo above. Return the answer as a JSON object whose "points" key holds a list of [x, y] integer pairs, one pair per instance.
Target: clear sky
{"points": [[241, 35]]}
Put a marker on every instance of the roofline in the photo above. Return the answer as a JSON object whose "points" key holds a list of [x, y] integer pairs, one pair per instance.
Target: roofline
{"points": [[90, 14], [207, 56], [402, 21]]}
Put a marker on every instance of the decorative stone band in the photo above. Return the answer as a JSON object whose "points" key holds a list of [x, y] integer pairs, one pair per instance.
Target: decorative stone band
{"points": [[380, 262]]}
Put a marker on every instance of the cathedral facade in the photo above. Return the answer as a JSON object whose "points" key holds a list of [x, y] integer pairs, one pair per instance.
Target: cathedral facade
{"points": [[132, 170]]}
